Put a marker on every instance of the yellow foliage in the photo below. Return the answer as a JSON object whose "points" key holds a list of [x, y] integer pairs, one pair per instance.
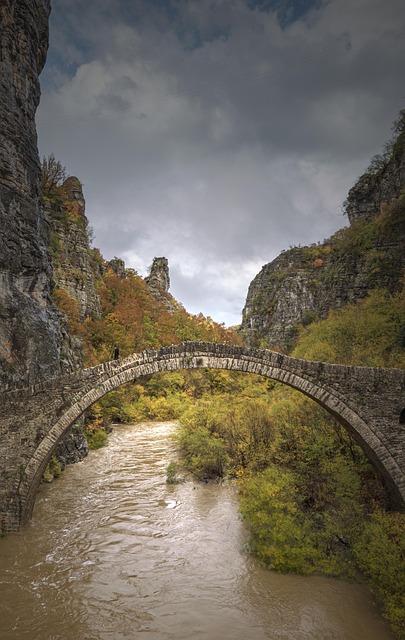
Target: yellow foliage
{"points": [[368, 333]]}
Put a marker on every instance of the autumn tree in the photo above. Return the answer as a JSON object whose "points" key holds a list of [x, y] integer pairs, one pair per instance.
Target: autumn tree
{"points": [[53, 175]]}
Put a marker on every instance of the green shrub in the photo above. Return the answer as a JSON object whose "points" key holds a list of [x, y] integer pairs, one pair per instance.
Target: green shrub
{"points": [[53, 470], [173, 470], [367, 333], [96, 439], [282, 536], [380, 554]]}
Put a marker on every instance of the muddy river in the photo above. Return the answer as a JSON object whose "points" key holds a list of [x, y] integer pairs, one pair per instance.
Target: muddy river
{"points": [[114, 553]]}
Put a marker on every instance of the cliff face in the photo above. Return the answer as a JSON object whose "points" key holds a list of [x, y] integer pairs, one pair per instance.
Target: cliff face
{"points": [[31, 336], [304, 284], [75, 269], [379, 187]]}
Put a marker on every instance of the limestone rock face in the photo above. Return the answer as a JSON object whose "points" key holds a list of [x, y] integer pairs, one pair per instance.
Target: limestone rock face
{"points": [[75, 269], [292, 289], [374, 190], [304, 283], [31, 337], [278, 297], [159, 277], [158, 282]]}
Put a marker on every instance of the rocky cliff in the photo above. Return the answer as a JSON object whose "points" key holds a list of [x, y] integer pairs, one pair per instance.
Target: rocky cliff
{"points": [[75, 267], [34, 339], [383, 183], [32, 333], [48, 271], [304, 283], [76, 270], [35, 342]]}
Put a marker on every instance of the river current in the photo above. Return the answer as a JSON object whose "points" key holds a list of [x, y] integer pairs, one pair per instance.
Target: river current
{"points": [[113, 553]]}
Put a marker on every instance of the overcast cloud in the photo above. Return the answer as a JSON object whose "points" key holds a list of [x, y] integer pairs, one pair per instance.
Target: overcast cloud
{"points": [[218, 132]]}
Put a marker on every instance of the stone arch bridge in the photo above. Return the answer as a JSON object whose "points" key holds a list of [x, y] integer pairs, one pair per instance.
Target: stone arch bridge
{"points": [[368, 402]]}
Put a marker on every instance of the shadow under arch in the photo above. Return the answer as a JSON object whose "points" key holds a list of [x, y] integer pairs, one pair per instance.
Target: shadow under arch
{"points": [[130, 369]]}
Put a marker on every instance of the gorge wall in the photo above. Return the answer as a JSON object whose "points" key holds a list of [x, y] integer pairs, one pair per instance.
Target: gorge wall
{"points": [[32, 332], [382, 184], [35, 342], [76, 270], [75, 267], [304, 283]]}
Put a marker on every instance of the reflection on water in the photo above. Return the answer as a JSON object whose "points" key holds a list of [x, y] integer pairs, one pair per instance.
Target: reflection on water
{"points": [[115, 553]]}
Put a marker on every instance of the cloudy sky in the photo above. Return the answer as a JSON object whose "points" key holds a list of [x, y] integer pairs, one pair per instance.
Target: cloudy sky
{"points": [[218, 132]]}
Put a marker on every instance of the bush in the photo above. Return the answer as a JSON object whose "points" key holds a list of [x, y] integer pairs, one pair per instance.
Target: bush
{"points": [[203, 453], [96, 438], [53, 470], [380, 554], [173, 470], [282, 536]]}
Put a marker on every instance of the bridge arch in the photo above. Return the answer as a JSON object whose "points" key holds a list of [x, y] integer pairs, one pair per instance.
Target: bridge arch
{"points": [[328, 385]]}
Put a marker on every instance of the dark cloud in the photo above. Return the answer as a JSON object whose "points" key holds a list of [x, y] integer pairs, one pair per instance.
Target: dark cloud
{"points": [[218, 133], [287, 11]]}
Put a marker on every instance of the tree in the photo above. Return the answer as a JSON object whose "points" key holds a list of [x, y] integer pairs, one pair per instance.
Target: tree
{"points": [[52, 177]]}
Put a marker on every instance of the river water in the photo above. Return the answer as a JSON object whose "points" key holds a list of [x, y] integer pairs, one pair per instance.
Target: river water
{"points": [[114, 553]]}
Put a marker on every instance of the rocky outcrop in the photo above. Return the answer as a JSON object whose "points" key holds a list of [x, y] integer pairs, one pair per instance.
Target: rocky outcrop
{"points": [[73, 446], [304, 283], [118, 266], [381, 185], [35, 343], [159, 277], [31, 337], [75, 267], [278, 297], [158, 282]]}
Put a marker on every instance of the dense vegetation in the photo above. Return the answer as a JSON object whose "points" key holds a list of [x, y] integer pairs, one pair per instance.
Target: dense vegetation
{"points": [[370, 333]]}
